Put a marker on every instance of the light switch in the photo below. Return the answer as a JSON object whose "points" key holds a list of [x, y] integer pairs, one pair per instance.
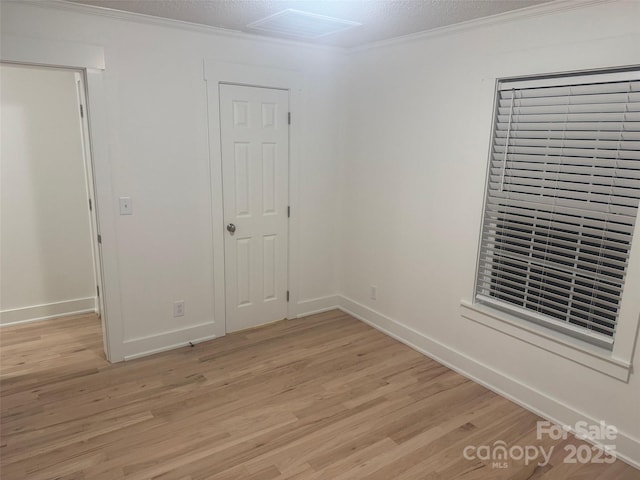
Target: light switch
{"points": [[125, 206]]}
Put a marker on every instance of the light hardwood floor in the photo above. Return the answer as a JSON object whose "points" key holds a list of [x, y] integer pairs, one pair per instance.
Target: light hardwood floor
{"points": [[325, 397]]}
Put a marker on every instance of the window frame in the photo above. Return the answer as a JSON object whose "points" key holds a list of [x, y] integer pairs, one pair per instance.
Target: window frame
{"points": [[616, 361]]}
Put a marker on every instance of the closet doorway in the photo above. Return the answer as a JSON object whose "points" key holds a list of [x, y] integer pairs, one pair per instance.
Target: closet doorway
{"points": [[50, 250]]}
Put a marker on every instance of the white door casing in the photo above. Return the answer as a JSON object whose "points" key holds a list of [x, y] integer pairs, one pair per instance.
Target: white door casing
{"points": [[90, 59], [254, 135]]}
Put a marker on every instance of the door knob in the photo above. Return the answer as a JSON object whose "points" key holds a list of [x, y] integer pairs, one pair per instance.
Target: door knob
{"points": [[231, 228]]}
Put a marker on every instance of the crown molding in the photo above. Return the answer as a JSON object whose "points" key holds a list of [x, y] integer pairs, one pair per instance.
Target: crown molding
{"points": [[170, 23], [544, 9]]}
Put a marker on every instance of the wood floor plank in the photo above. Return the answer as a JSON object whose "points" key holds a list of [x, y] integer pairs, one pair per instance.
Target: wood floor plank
{"points": [[325, 397]]}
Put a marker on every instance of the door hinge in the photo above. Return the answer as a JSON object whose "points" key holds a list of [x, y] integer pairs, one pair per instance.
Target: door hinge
{"points": [[98, 290], [289, 212], [81, 111], [100, 239], [287, 295], [90, 205], [289, 117]]}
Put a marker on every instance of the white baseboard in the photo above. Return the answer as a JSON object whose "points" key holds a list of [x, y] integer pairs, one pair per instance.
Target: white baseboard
{"points": [[162, 342], [47, 311], [627, 447], [144, 346], [317, 305]]}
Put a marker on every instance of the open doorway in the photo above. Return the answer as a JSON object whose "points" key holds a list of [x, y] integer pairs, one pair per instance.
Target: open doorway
{"points": [[50, 260]]}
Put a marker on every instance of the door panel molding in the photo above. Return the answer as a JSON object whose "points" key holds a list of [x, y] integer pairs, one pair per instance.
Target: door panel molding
{"points": [[216, 73]]}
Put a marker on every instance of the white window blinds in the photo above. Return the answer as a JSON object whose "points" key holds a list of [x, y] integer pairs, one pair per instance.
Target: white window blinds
{"points": [[562, 197]]}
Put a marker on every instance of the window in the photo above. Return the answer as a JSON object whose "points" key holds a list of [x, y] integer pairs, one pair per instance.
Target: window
{"points": [[562, 197]]}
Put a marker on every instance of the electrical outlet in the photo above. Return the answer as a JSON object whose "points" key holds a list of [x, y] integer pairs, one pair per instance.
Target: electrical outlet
{"points": [[374, 292], [126, 208], [178, 308]]}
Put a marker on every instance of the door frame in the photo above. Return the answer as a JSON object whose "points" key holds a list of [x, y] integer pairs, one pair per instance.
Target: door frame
{"points": [[89, 60], [216, 73]]}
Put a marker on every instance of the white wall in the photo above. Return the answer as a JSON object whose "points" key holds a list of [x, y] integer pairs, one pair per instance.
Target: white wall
{"points": [[46, 258], [419, 132], [158, 149]]}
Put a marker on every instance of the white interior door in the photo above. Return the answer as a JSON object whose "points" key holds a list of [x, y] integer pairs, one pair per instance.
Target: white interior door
{"points": [[95, 245], [255, 166]]}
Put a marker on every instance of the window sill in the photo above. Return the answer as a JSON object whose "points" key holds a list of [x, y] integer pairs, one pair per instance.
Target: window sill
{"points": [[596, 358]]}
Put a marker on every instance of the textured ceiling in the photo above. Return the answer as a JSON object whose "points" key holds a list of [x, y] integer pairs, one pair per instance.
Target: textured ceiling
{"points": [[381, 19]]}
